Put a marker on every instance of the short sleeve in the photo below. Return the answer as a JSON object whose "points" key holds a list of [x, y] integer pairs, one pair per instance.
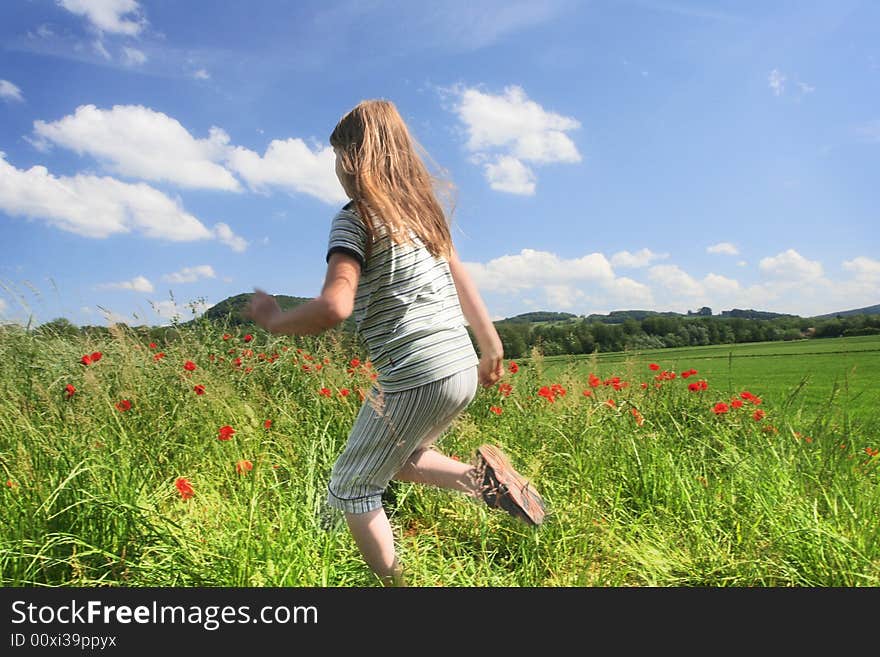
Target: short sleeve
{"points": [[348, 235]]}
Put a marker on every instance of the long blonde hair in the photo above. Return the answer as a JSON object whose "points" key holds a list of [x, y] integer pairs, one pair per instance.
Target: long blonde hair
{"points": [[389, 180]]}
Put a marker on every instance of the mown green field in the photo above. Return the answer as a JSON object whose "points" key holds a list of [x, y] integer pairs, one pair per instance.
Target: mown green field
{"points": [[204, 462], [829, 379]]}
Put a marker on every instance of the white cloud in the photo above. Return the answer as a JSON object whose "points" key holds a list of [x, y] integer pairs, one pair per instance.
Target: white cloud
{"points": [[190, 274], [537, 279], [2, 305], [113, 16], [530, 269], [791, 265], [675, 280], [10, 92], [776, 81], [725, 248], [641, 258], [864, 268], [512, 130], [562, 296], [137, 284], [290, 165], [509, 174], [201, 74], [625, 292], [98, 207], [98, 47], [133, 56], [139, 142], [224, 233], [170, 309], [806, 88], [513, 121], [870, 130], [718, 285]]}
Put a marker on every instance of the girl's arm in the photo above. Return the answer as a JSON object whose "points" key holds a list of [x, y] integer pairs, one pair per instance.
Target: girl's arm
{"points": [[334, 305], [474, 310]]}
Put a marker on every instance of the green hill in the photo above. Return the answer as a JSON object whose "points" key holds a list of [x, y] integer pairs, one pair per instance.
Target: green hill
{"points": [[870, 310], [540, 316], [230, 309]]}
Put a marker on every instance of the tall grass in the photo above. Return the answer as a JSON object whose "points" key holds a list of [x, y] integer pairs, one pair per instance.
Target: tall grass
{"points": [[686, 498]]}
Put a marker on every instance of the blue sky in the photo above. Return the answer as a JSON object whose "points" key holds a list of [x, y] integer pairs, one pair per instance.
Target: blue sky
{"points": [[160, 156]]}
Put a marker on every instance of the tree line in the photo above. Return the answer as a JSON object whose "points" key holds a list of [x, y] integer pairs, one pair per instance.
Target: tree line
{"points": [[572, 336], [585, 336]]}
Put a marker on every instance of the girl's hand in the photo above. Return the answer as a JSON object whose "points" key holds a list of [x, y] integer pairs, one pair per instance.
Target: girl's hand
{"points": [[490, 369], [262, 309]]}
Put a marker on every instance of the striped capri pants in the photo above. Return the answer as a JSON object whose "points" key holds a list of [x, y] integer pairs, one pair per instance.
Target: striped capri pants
{"points": [[387, 431]]}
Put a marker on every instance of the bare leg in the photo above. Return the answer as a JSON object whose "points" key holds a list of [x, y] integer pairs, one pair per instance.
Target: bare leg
{"points": [[374, 538], [428, 466]]}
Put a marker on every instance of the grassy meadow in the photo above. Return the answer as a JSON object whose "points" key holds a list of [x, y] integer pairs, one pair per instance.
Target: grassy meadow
{"points": [[204, 462]]}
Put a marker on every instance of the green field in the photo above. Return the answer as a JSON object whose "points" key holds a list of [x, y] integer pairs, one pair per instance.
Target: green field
{"points": [[204, 462], [833, 378]]}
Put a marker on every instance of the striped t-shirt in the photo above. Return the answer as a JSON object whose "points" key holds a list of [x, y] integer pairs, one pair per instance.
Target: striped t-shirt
{"points": [[406, 307]]}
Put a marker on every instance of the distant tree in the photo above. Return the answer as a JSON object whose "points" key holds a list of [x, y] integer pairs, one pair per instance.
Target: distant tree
{"points": [[59, 327]]}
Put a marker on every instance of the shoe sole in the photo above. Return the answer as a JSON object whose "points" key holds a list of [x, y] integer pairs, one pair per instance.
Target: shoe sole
{"points": [[514, 486]]}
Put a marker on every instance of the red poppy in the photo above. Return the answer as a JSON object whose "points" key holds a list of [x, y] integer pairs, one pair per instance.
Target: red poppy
{"points": [[505, 389], [11, 484], [644, 385], [513, 368], [86, 360], [159, 356], [247, 353], [306, 368], [244, 466], [70, 390], [344, 392], [547, 393], [153, 345], [871, 451], [184, 488], [248, 337], [96, 356], [588, 393], [758, 415], [736, 403], [267, 424], [189, 366], [225, 432], [237, 362], [594, 381], [610, 403], [123, 405], [355, 362], [558, 390], [654, 367], [226, 336], [638, 416], [496, 409], [325, 392], [720, 408], [199, 388]]}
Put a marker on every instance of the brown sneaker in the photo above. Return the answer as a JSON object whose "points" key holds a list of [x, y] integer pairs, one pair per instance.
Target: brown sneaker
{"points": [[505, 488]]}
